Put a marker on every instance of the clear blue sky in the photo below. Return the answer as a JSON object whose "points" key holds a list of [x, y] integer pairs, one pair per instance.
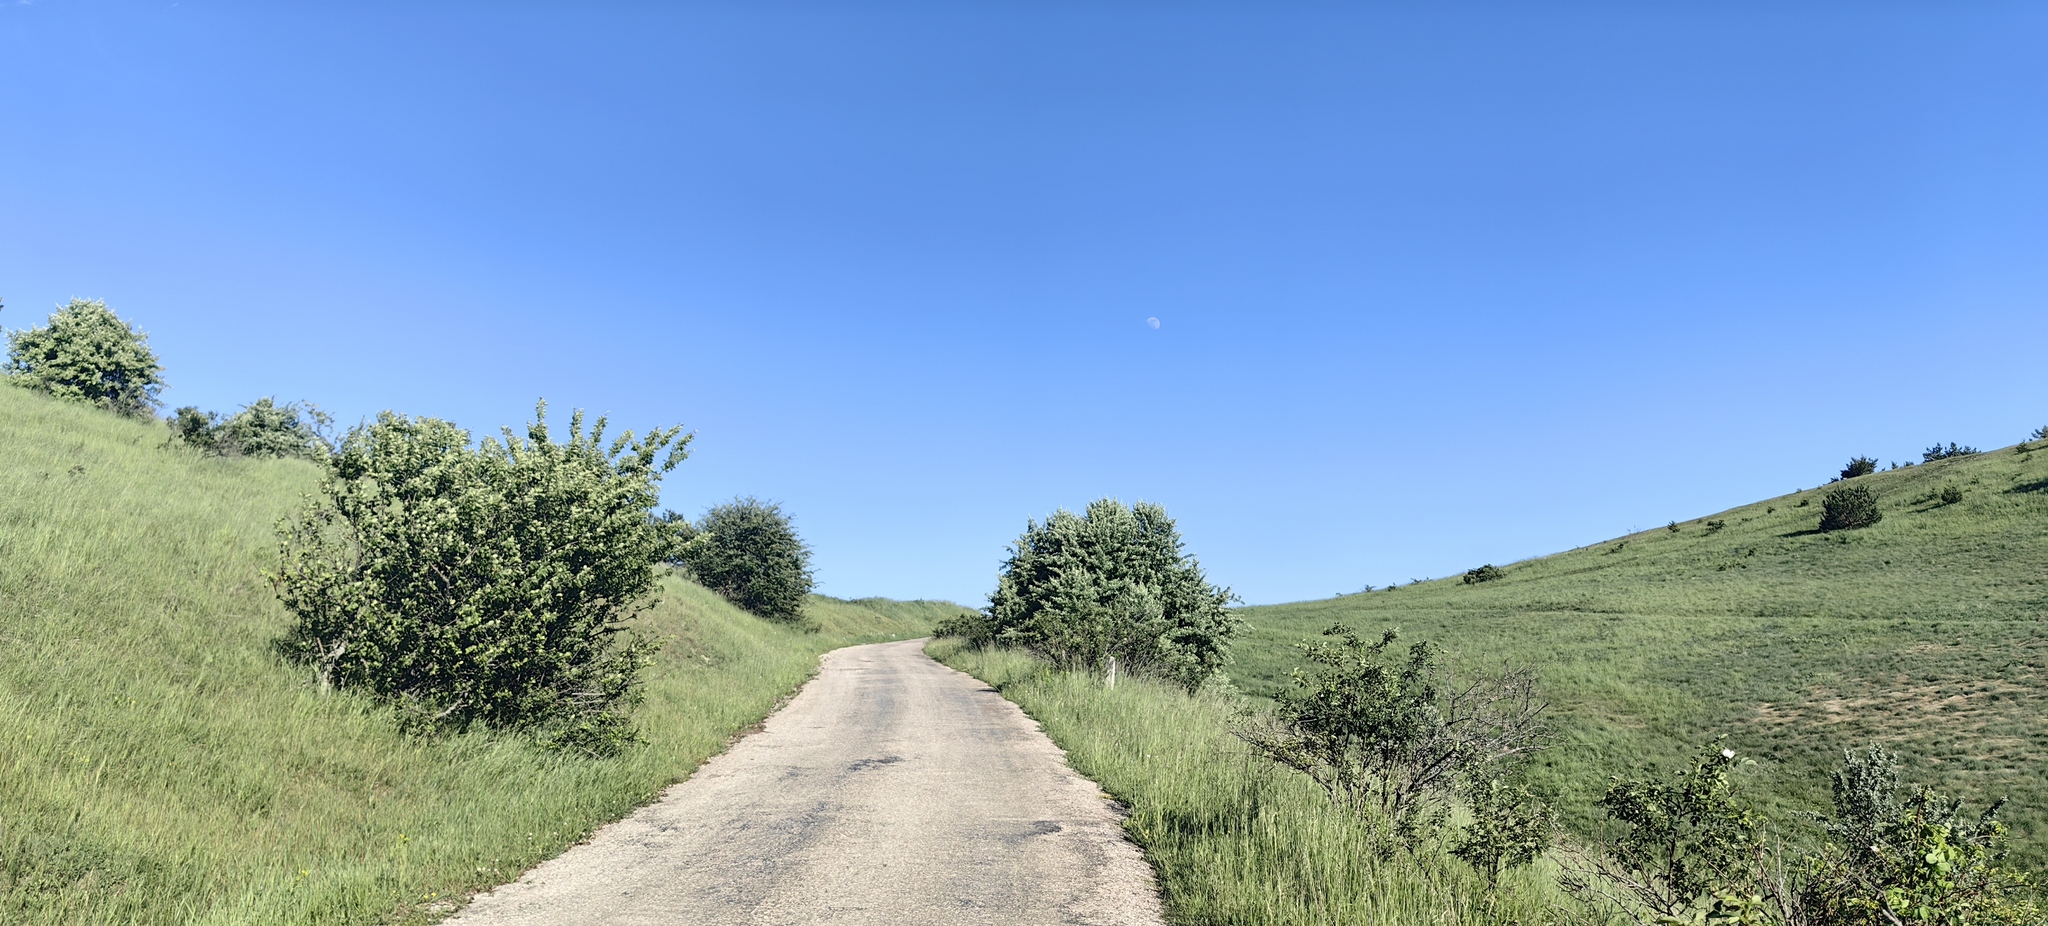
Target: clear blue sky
{"points": [[1438, 284]]}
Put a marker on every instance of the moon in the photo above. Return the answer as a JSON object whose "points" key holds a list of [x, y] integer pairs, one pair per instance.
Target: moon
{"points": [[1153, 323]]}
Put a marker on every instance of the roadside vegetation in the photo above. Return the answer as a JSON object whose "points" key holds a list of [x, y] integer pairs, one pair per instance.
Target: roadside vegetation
{"points": [[1587, 777], [482, 585], [162, 762], [1109, 587], [1237, 839]]}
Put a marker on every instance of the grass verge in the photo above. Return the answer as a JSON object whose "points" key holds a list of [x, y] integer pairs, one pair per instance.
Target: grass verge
{"points": [[159, 765], [1234, 839]]}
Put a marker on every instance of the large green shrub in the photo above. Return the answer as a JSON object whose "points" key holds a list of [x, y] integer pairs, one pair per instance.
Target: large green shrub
{"points": [[1858, 466], [482, 585], [262, 428], [1849, 507], [88, 354], [1112, 582], [748, 551]]}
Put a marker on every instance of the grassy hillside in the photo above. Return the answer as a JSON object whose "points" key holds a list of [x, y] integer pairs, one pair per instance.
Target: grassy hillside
{"points": [[159, 765], [1927, 631]]}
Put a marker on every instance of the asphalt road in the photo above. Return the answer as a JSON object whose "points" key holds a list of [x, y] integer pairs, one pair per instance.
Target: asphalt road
{"points": [[891, 790]]}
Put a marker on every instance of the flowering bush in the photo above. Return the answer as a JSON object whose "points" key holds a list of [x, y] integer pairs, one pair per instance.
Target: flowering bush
{"points": [[486, 585]]}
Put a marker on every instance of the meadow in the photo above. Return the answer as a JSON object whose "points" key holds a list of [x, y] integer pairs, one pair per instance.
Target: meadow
{"points": [[159, 764], [1927, 632]]}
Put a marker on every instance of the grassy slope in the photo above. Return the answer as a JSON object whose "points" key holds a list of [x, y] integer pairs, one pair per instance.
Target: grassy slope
{"points": [[1928, 632], [158, 765]]}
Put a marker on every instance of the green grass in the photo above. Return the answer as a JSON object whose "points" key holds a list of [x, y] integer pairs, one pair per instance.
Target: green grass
{"points": [[159, 765], [1927, 632], [1234, 839]]}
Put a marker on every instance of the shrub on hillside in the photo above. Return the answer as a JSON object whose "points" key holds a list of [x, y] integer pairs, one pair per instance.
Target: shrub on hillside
{"points": [[1915, 858], [481, 585], [1689, 850], [1949, 494], [194, 427], [262, 428], [1858, 466], [1397, 735], [749, 552], [88, 354], [1113, 581], [1486, 573], [1953, 450], [1849, 507]]}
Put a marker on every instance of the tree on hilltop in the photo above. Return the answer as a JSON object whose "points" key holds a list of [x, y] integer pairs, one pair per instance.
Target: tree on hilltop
{"points": [[88, 354], [1858, 466]]}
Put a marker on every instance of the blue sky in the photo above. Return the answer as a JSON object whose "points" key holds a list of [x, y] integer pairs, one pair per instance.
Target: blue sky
{"points": [[1438, 284]]}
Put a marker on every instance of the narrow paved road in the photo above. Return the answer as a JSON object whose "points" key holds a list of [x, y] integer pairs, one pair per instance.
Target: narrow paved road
{"points": [[891, 790]]}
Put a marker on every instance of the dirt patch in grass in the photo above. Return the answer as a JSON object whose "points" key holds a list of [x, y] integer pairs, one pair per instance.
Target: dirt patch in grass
{"points": [[1989, 713]]}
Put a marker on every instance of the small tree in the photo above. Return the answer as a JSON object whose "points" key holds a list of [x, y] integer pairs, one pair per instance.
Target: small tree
{"points": [[1510, 826], [1113, 581], [1688, 851], [1396, 735], [748, 551], [88, 354], [1858, 466], [484, 585], [1938, 452], [1849, 507]]}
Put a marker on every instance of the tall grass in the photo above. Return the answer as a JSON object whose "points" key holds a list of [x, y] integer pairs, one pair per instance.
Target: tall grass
{"points": [[159, 765], [1234, 839]]}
